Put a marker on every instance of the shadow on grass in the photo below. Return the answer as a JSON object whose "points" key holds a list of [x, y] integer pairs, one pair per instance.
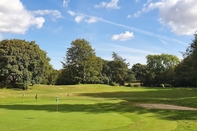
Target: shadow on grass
{"points": [[176, 96], [184, 97], [121, 107]]}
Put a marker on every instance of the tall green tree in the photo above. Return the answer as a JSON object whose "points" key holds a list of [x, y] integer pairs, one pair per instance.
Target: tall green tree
{"points": [[130, 77], [118, 69], [186, 71], [159, 65], [81, 63], [22, 61], [141, 72]]}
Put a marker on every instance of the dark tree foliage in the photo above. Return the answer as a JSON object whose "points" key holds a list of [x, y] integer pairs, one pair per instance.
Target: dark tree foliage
{"points": [[161, 69], [23, 62], [186, 71], [141, 72], [81, 64], [118, 71]]}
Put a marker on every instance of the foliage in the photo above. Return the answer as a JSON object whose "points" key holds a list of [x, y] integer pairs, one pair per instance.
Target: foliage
{"points": [[186, 72], [141, 72], [161, 67], [118, 69], [81, 63], [130, 76], [22, 61]]}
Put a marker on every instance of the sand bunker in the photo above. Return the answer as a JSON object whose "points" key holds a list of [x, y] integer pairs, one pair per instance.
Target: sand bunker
{"points": [[165, 106]]}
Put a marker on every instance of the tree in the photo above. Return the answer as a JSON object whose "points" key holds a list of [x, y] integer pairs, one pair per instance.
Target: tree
{"points": [[81, 63], [22, 61], [64, 77], [186, 71], [184, 76], [51, 77], [130, 76], [159, 65], [118, 69], [140, 72]]}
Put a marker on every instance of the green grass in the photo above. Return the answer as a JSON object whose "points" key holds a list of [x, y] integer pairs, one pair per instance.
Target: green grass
{"points": [[96, 108]]}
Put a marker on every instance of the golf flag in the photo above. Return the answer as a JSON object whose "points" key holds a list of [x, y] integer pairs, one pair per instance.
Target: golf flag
{"points": [[57, 100]]}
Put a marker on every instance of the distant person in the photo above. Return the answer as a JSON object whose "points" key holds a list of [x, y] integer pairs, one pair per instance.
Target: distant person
{"points": [[36, 96]]}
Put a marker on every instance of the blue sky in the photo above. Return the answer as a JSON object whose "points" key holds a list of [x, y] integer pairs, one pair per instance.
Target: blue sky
{"points": [[131, 28]]}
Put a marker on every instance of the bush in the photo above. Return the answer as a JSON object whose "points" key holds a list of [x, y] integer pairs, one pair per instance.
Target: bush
{"points": [[105, 80], [113, 84]]}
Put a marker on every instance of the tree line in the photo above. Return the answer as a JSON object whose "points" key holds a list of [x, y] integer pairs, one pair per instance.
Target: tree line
{"points": [[23, 63]]}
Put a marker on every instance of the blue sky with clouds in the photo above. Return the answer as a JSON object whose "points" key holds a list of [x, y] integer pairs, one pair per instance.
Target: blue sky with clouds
{"points": [[131, 28]]}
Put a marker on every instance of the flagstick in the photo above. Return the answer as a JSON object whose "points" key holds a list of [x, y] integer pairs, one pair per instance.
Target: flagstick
{"points": [[23, 96], [57, 105], [57, 110]]}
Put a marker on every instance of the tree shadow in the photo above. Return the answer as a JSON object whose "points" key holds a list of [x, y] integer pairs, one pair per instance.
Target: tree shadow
{"points": [[125, 105], [120, 107], [180, 97]]}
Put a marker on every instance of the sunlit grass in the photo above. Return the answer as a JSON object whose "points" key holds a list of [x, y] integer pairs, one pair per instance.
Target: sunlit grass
{"points": [[95, 107]]}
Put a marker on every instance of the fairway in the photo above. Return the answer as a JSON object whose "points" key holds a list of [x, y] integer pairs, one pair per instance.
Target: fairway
{"points": [[96, 108]]}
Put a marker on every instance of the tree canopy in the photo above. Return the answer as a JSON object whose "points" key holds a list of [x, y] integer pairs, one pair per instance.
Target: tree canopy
{"points": [[23, 61], [81, 63]]}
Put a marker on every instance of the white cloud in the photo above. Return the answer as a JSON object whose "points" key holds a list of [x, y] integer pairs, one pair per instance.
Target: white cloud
{"points": [[178, 15], [71, 13], [65, 3], [79, 18], [137, 14], [92, 20], [137, 1], [16, 19], [54, 13], [113, 4], [129, 16], [123, 36]]}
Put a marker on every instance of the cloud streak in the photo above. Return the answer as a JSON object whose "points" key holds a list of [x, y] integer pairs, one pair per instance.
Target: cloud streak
{"points": [[143, 31], [134, 29], [131, 50]]}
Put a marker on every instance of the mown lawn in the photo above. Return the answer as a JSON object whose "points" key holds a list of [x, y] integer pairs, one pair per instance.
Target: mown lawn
{"points": [[96, 108]]}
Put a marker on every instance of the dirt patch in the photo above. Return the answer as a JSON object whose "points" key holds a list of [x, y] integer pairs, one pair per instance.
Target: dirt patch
{"points": [[165, 106]]}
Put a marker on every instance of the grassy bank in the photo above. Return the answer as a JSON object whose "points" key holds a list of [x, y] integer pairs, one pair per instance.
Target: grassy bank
{"points": [[96, 107]]}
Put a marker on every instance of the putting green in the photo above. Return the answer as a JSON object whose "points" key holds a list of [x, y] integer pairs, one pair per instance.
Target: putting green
{"points": [[43, 120], [95, 108], [83, 121]]}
